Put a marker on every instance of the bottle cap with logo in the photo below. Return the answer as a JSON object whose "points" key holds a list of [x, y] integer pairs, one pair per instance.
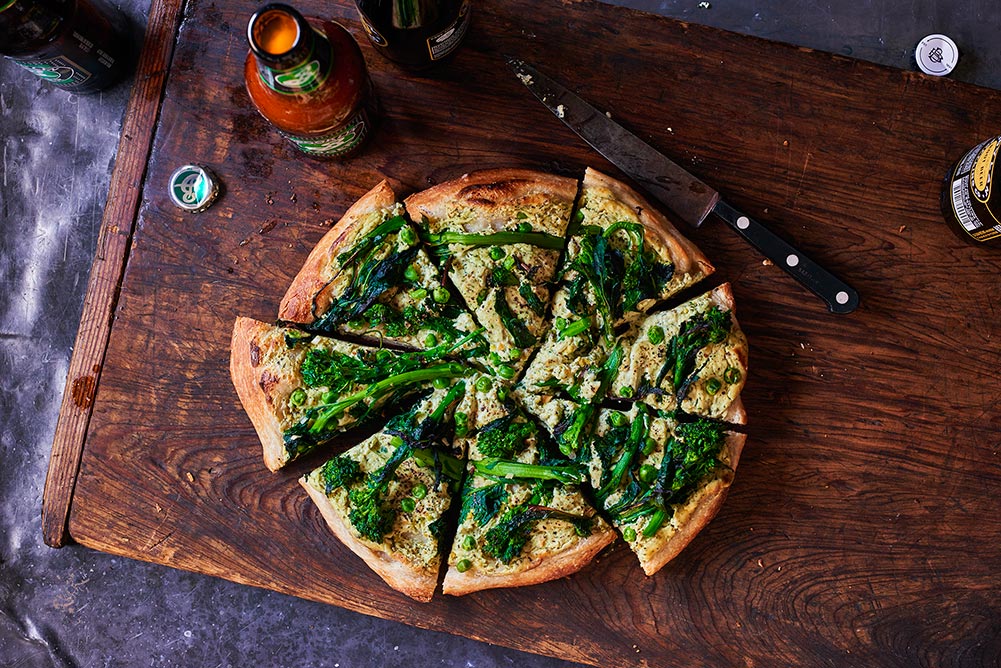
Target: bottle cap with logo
{"points": [[936, 55], [193, 188]]}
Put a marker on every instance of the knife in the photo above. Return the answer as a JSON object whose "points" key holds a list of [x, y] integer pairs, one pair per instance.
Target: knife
{"points": [[687, 197]]}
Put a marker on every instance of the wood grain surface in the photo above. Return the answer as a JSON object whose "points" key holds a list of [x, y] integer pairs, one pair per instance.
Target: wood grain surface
{"points": [[861, 528]]}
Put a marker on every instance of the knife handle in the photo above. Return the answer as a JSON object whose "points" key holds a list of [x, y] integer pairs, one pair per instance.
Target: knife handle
{"points": [[840, 297]]}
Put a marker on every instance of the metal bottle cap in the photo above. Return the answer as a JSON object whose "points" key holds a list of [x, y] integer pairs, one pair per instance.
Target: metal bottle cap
{"points": [[936, 55], [193, 188]]}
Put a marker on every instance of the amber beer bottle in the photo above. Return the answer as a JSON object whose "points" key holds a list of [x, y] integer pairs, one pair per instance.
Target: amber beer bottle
{"points": [[415, 33], [79, 45], [308, 78], [971, 205]]}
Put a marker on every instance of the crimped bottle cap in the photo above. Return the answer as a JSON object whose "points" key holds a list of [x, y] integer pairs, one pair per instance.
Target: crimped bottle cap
{"points": [[193, 188]]}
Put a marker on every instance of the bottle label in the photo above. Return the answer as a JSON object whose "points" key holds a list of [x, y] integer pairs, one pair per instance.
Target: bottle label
{"points": [[448, 40], [60, 70], [305, 77], [971, 185], [337, 143]]}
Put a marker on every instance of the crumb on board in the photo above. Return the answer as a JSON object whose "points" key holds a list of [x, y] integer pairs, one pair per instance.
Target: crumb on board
{"points": [[766, 262], [901, 229], [705, 5]]}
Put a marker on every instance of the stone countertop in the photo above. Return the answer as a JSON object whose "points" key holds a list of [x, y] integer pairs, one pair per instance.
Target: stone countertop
{"points": [[77, 607]]}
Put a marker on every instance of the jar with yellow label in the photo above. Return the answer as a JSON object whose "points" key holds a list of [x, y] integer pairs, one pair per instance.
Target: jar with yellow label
{"points": [[971, 207]]}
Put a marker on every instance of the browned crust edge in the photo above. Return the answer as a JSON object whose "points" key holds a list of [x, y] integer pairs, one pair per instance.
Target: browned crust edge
{"points": [[396, 574], [502, 181], [709, 504], [297, 304], [722, 295], [687, 257], [550, 568], [245, 377]]}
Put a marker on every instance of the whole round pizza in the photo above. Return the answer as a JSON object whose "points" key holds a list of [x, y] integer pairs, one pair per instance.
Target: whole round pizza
{"points": [[541, 378]]}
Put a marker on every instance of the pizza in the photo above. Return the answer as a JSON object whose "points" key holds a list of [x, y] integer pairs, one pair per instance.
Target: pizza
{"points": [[538, 380]]}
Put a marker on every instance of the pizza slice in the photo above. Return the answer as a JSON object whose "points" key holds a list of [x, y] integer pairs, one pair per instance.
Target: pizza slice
{"points": [[498, 235], [658, 480], [369, 277], [692, 357], [622, 258], [300, 390], [386, 498], [523, 518]]}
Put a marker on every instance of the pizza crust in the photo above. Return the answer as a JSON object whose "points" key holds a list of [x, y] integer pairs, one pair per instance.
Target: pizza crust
{"points": [[541, 570], [492, 193], [259, 396]]}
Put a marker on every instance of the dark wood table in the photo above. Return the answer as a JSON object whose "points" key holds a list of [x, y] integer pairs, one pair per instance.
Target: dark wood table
{"points": [[860, 527]]}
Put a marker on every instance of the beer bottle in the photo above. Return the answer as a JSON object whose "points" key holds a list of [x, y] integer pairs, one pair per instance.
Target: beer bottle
{"points": [[415, 33], [309, 80], [970, 204], [79, 45]]}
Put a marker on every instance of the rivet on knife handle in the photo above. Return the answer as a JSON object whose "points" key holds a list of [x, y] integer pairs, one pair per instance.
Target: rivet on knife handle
{"points": [[840, 297]]}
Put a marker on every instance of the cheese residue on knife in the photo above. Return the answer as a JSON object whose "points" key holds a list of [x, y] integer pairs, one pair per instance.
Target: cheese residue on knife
{"points": [[560, 111], [525, 79]]}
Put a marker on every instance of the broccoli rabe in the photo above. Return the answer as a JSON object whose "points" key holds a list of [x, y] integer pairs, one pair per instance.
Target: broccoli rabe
{"points": [[506, 539]]}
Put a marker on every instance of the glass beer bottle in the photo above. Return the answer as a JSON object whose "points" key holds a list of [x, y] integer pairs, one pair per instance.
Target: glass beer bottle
{"points": [[970, 204], [415, 33], [79, 45], [309, 80]]}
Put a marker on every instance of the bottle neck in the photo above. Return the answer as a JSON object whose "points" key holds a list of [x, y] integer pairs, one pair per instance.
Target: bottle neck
{"points": [[292, 56], [30, 24]]}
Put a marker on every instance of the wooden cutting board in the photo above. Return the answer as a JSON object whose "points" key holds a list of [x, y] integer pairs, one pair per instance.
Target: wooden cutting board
{"points": [[862, 526]]}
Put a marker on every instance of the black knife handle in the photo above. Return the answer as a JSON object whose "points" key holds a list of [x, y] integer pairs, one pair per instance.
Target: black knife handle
{"points": [[840, 297]]}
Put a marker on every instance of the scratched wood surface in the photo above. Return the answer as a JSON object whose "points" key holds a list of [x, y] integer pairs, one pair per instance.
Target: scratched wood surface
{"points": [[861, 528]]}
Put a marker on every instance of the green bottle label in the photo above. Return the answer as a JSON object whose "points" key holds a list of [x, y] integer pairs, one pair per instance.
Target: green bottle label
{"points": [[337, 143], [304, 77], [60, 70]]}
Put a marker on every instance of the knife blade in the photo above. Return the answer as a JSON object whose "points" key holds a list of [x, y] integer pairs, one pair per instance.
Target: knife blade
{"points": [[687, 197]]}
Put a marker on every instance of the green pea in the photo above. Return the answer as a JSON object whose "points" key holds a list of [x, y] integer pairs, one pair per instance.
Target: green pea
{"points": [[356, 324], [648, 473], [524, 227], [441, 295], [495, 359], [618, 419], [407, 504], [713, 386], [629, 534], [463, 565], [502, 393], [649, 445], [560, 324], [468, 543], [440, 383], [626, 391], [505, 371], [396, 441], [430, 340], [508, 262], [496, 253], [411, 274], [329, 397], [408, 236], [521, 215], [418, 295], [656, 335], [732, 375], [297, 397], [419, 491], [484, 384]]}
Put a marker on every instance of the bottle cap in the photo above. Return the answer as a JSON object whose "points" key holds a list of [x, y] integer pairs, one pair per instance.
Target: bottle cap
{"points": [[193, 188], [936, 55]]}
